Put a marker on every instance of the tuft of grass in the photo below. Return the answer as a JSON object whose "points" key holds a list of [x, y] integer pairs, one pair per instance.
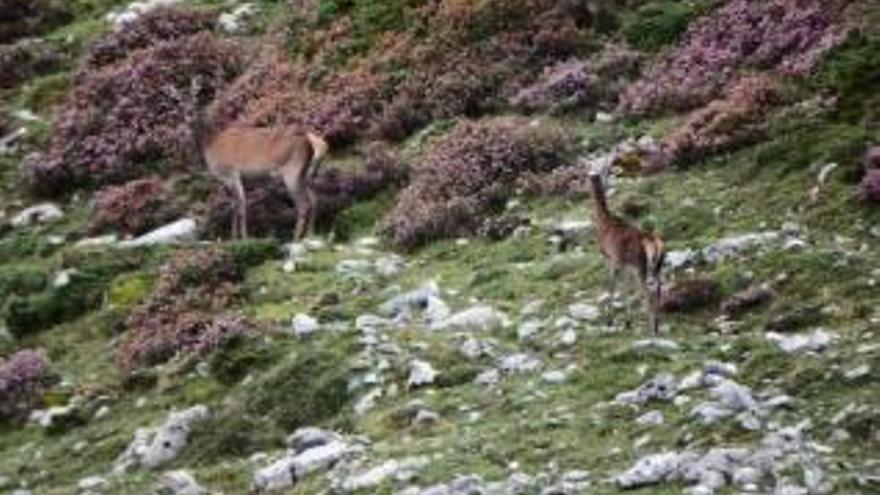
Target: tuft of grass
{"points": [[657, 24]]}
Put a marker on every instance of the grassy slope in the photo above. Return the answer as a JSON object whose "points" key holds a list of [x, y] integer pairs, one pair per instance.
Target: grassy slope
{"points": [[533, 423]]}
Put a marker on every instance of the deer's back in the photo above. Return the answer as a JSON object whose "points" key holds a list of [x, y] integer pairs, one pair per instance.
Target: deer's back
{"points": [[256, 150]]}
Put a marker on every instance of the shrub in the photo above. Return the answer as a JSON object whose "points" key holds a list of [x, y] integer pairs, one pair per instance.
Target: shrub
{"points": [[23, 378], [319, 381], [185, 313], [26, 59], [132, 208], [21, 18], [88, 278], [724, 123], [564, 86], [788, 36], [21, 279], [120, 119], [468, 174], [869, 189], [570, 182], [657, 24], [150, 29]]}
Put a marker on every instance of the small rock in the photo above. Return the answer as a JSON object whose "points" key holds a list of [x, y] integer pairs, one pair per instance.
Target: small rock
{"points": [[310, 437], [304, 325], [663, 387], [92, 483], [353, 268], [816, 341], [678, 259], [181, 483], [857, 372], [488, 378], [528, 329], [518, 363], [649, 470], [584, 312], [371, 478], [554, 377], [183, 230], [389, 266], [478, 317], [652, 418], [41, 213], [234, 22], [420, 373], [665, 346], [152, 448]]}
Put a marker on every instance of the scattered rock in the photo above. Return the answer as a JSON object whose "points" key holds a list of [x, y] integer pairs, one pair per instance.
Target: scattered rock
{"points": [[152, 448], [41, 213], [488, 378], [370, 478], [584, 312], [730, 247], [679, 259], [309, 437], [235, 21], [478, 317], [136, 9], [663, 387], [554, 377], [354, 269], [284, 472], [652, 418], [816, 341], [420, 373], [389, 266], [92, 483], [181, 483], [518, 363], [664, 346], [528, 329], [304, 325], [183, 230]]}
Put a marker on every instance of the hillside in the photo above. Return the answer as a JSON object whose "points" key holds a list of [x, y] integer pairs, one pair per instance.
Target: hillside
{"points": [[448, 328]]}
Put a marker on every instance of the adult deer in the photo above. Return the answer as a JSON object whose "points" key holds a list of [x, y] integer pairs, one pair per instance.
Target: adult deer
{"points": [[625, 246], [235, 152]]}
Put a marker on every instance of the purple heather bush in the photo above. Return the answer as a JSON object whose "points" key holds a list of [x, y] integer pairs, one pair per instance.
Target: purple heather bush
{"points": [[132, 208], [187, 312], [121, 119], [786, 36], [468, 174], [726, 122], [23, 377], [869, 189], [152, 28], [564, 86]]}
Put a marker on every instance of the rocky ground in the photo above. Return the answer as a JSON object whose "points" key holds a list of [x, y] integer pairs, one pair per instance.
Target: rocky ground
{"points": [[469, 365]]}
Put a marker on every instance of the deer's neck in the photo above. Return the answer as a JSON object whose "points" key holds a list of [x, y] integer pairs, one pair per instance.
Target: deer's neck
{"points": [[600, 204], [202, 130]]}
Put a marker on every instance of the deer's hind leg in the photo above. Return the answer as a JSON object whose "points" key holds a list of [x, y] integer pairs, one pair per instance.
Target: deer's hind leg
{"points": [[613, 280], [652, 298], [233, 183], [302, 201]]}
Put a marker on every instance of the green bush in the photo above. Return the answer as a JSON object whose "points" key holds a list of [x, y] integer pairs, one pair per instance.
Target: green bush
{"points": [[657, 24], [310, 390], [240, 356], [21, 279]]}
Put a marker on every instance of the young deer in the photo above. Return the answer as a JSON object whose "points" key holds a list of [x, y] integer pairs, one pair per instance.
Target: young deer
{"points": [[626, 246], [238, 151]]}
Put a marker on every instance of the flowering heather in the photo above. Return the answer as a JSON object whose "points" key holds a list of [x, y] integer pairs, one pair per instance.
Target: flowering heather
{"points": [[152, 28], [468, 174], [185, 312], [123, 116], [23, 376], [724, 123], [564, 86], [572, 182], [869, 189], [787, 36], [132, 208]]}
